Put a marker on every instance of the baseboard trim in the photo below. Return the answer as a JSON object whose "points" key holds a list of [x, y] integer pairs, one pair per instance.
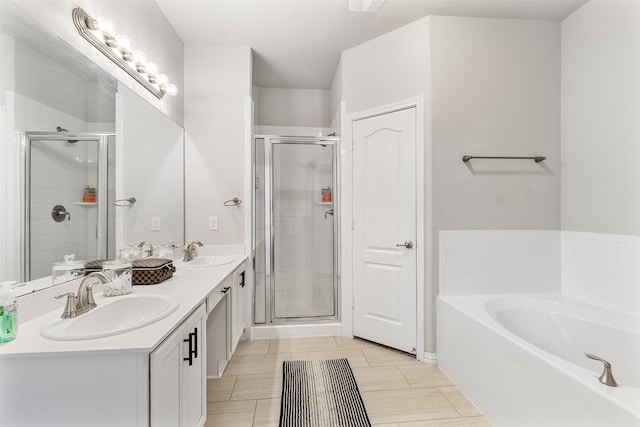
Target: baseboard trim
{"points": [[296, 331], [430, 358]]}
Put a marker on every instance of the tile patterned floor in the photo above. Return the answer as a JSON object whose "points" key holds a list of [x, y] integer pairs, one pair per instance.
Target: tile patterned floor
{"points": [[397, 390]]}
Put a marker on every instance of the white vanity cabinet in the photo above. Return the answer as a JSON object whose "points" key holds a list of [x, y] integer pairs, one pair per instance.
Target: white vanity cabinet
{"points": [[225, 321], [152, 376], [177, 375], [238, 297]]}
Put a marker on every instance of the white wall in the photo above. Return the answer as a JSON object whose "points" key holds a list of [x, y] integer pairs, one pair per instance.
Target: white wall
{"points": [[217, 81], [491, 87], [149, 167], [146, 25], [387, 69], [600, 155], [336, 98], [292, 107], [496, 92], [600, 118]]}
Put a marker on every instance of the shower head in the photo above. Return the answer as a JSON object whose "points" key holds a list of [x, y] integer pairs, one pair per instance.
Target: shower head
{"points": [[69, 141]]}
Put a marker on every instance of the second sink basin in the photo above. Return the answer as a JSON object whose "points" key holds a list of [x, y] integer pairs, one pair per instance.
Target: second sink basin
{"points": [[207, 261], [112, 316]]}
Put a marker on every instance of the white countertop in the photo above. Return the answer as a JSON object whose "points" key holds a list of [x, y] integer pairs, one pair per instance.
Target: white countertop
{"points": [[189, 286]]}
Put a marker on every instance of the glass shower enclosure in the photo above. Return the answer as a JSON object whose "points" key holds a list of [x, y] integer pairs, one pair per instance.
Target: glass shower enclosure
{"points": [[295, 230], [69, 187]]}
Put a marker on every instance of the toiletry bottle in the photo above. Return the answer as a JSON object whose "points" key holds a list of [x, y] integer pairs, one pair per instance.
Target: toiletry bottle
{"points": [[8, 312]]}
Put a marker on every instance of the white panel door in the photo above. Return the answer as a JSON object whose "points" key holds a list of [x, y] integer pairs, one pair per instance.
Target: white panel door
{"points": [[384, 206]]}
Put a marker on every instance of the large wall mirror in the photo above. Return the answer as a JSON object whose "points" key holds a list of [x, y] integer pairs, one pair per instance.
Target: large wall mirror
{"points": [[76, 148]]}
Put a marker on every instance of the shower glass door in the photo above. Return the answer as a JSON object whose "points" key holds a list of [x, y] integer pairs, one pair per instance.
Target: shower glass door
{"points": [[303, 273], [60, 220]]}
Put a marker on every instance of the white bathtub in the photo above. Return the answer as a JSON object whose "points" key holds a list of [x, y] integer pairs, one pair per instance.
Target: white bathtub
{"points": [[521, 360]]}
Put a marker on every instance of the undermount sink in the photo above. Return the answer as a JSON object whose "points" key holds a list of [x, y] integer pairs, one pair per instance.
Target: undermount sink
{"points": [[112, 316], [206, 261]]}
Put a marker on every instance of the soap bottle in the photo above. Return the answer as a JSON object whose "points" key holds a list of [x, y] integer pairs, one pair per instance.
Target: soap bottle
{"points": [[8, 312]]}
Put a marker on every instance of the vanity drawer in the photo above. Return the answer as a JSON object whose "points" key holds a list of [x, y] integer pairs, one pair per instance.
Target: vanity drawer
{"points": [[218, 294]]}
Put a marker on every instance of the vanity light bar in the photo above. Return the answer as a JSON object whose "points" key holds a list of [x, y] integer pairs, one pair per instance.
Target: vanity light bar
{"points": [[119, 49]]}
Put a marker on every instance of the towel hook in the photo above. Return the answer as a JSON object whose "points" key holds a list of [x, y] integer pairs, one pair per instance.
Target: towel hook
{"points": [[125, 202], [233, 202]]}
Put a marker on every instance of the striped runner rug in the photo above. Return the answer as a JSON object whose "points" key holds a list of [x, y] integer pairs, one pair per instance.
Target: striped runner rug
{"points": [[321, 393]]}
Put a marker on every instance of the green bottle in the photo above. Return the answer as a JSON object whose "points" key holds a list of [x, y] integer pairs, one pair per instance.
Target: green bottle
{"points": [[8, 312]]}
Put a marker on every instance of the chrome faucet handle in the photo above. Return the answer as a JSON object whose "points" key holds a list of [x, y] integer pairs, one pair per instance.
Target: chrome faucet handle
{"points": [[191, 251], [88, 299], [85, 299], [607, 376], [150, 251], [70, 306]]}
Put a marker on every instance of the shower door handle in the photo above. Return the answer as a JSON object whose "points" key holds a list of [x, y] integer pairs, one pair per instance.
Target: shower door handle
{"points": [[408, 244]]}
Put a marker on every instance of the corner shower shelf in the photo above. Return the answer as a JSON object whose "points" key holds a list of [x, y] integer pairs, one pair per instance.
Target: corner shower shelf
{"points": [[325, 203], [86, 204]]}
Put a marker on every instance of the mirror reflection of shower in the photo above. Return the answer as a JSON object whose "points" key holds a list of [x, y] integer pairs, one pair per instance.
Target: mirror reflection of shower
{"points": [[69, 181], [295, 230]]}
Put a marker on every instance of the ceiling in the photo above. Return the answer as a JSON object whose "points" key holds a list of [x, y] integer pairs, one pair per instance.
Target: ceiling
{"points": [[297, 43]]}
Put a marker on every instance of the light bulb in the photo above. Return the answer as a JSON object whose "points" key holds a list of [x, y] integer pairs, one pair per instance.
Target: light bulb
{"points": [[124, 43], [105, 26], [139, 58], [162, 80], [171, 89], [152, 69]]}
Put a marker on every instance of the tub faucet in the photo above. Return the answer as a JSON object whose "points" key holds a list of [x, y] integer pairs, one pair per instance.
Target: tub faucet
{"points": [[607, 377], [191, 252], [150, 250]]}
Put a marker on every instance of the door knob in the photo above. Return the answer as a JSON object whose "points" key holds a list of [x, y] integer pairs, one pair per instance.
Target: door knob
{"points": [[408, 244]]}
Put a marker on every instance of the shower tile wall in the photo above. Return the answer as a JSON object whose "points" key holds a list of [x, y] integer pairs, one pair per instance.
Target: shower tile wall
{"points": [[59, 173], [303, 237]]}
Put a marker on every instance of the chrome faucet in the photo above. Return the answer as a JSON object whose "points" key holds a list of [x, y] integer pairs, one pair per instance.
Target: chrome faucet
{"points": [[191, 252], [83, 301], [607, 377], [150, 250]]}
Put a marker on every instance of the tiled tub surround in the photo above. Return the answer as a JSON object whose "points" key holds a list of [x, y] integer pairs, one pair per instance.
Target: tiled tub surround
{"points": [[603, 270], [513, 377], [502, 261]]}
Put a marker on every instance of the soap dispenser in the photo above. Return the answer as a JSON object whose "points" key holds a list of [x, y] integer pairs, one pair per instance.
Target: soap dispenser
{"points": [[8, 312]]}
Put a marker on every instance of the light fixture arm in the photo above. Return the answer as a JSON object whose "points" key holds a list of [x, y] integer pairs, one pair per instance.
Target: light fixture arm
{"points": [[81, 20]]}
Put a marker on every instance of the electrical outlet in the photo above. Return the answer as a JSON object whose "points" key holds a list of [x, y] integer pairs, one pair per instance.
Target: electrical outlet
{"points": [[155, 223], [213, 223]]}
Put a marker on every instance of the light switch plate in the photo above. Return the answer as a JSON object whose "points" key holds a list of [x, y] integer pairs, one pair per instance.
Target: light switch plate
{"points": [[213, 223], [155, 223]]}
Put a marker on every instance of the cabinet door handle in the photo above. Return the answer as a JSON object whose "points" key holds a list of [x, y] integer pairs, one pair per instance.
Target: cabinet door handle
{"points": [[225, 289], [190, 341], [242, 279], [195, 339]]}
